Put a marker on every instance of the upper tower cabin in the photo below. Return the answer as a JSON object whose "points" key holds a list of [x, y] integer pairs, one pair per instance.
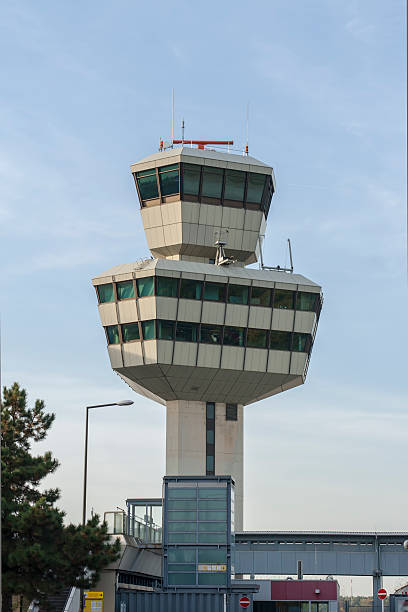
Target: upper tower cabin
{"points": [[190, 198]]}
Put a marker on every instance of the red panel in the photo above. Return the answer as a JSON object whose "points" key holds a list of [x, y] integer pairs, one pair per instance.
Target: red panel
{"points": [[303, 590]]}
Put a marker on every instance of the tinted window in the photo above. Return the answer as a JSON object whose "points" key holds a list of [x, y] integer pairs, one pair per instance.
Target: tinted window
{"points": [[180, 493], [169, 179], [212, 515], [148, 330], [231, 412], [181, 555], [211, 334], [238, 294], [190, 289], [234, 185], [234, 336], [212, 182], [212, 578], [167, 286], [256, 338], [214, 292], [260, 296], [181, 578], [113, 334], [280, 340], [191, 178], [145, 286], [283, 299], [165, 330], [212, 504], [130, 331], [125, 290], [105, 293], [306, 301], [181, 504], [187, 332], [255, 188], [301, 342], [212, 555], [147, 184]]}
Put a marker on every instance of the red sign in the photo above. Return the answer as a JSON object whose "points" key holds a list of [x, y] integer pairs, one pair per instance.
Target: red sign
{"points": [[244, 601], [382, 594]]}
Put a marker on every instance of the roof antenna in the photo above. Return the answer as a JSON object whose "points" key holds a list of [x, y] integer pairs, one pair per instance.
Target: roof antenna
{"points": [[247, 128], [172, 116], [182, 130], [290, 256]]}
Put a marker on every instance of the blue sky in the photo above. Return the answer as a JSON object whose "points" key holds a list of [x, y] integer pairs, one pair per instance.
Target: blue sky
{"points": [[86, 91]]}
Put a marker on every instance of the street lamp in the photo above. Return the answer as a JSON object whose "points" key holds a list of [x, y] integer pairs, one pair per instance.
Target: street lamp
{"points": [[88, 408]]}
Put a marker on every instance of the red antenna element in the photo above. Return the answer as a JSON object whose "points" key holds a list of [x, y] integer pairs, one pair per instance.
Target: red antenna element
{"points": [[201, 143]]}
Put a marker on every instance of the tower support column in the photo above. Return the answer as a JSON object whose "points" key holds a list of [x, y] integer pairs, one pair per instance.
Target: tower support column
{"points": [[206, 438]]}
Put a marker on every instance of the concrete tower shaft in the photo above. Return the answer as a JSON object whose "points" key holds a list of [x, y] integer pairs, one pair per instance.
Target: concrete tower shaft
{"points": [[203, 339]]}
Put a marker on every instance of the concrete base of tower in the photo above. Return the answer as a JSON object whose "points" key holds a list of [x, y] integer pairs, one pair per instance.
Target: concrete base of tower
{"points": [[206, 438]]}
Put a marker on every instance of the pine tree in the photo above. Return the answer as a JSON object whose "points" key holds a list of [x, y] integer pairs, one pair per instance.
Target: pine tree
{"points": [[40, 555]]}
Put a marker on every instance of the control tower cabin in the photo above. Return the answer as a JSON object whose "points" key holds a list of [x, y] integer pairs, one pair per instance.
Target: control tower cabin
{"points": [[193, 328]]}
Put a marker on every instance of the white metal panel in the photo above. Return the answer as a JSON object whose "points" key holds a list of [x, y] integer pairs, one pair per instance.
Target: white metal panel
{"points": [[107, 313]]}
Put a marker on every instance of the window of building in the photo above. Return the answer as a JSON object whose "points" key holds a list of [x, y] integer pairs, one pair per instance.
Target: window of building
{"points": [[181, 578], [191, 179], [212, 182], [212, 504], [208, 556], [165, 330], [234, 185], [148, 330], [204, 493], [182, 504], [283, 299], [181, 555], [255, 189], [280, 340], [182, 516], [147, 182], [256, 338], [145, 286], [212, 578], [210, 446], [301, 342], [169, 179], [166, 286], [106, 293], [211, 334], [125, 290], [190, 289], [260, 296], [212, 515], [112, 333], [208, 527], [231, 412], [176, 537], [306, 301], [238, 294], [211, 538], [186, 332], [214, 292], [130, 332], [180, 493], [234, 336]]}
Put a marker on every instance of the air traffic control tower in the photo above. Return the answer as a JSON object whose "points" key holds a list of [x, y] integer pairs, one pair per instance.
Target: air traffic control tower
{"points": [[193, 328]]}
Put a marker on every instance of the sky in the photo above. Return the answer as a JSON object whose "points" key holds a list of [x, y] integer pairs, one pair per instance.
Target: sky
{"points": [[85, 90]]}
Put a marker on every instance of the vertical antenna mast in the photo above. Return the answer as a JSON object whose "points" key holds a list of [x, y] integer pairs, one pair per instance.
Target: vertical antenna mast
{"points": [[172, 116], [182, 130], [247, 128], [290, 255]]}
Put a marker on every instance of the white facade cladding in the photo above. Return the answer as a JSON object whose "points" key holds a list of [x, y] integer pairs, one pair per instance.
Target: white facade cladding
{"points": [[201, 338]]}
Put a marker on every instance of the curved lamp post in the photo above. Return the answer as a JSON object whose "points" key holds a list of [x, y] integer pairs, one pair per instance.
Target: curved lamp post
{"points": [[88, 408]]}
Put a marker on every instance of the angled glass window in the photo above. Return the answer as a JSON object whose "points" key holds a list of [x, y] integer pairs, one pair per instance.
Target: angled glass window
{"points": [[130, 331], [113, 334], [283, 299], [301, 342], [256, 183], [169, 179], [186, 332], [211, 334], [256, 338], [260, 296], [190, 289], [145, 286], [166, 286], [212, 182], [125, 290], [209, 556], [181, 555], [234, 185], [234, 336], [165, 330], [191, 179], [306, 301], [180, 493], [148, 330], [280, 340], [106, 293], [214, 292], [146, 180], [238, 294]]}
